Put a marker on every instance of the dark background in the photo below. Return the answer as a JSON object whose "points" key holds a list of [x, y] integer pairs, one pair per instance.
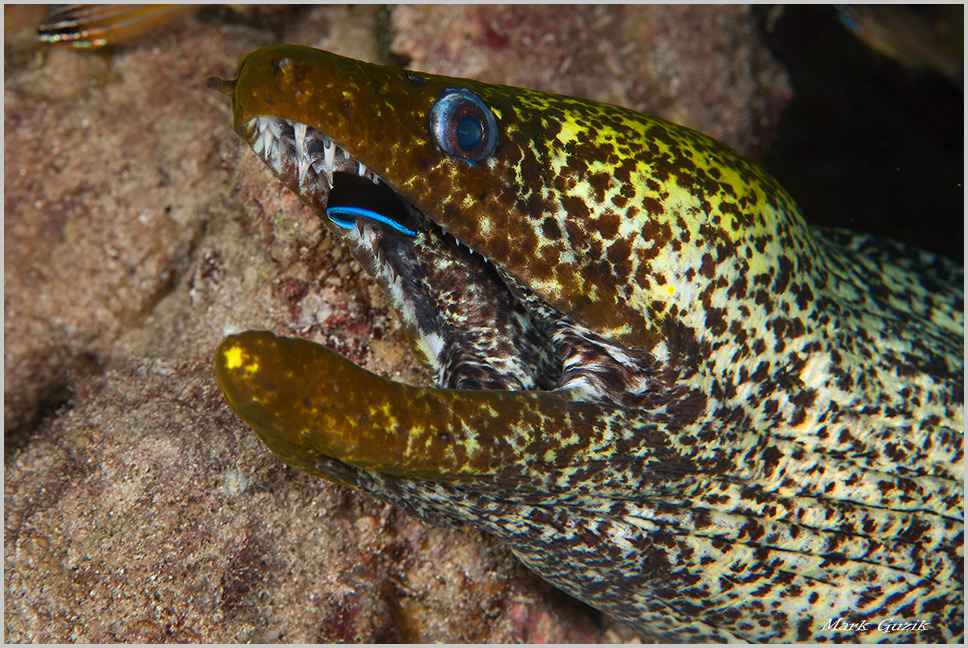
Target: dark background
{"points": [[867, 143]]}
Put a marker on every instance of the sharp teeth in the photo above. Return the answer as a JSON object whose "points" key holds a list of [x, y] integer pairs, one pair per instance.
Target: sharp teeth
{"points": [[329, 157], [278, 141], [299, 131], [302, 159], [275, 127], [303, 163], [279, 155]]}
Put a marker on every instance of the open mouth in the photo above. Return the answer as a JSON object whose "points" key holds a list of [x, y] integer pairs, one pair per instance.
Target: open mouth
{"points": [[471, 324]]}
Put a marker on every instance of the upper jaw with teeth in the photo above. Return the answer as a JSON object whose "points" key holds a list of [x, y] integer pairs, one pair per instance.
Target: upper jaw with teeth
{"points": [[282, 144]]}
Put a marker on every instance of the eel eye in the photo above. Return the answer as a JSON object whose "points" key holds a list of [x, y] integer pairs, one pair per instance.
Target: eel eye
{"points": [[463, 125]]}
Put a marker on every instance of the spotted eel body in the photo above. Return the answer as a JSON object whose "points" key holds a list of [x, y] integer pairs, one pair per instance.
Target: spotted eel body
{"points": [[666, 393]]}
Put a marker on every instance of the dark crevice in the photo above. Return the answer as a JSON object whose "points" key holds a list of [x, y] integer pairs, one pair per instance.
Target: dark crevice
{"points": [[867, 143]]}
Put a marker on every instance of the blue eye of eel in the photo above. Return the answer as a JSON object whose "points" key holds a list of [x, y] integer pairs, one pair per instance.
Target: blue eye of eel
{"points": [[463, 125]]}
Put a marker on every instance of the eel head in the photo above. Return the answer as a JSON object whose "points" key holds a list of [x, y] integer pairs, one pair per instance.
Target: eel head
{"points": [[663, 390], [512, 285]]}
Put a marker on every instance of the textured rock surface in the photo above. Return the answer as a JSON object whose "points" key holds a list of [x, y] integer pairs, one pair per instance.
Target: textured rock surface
{"points": [[138, 230], [703, 67], [150, 515]]}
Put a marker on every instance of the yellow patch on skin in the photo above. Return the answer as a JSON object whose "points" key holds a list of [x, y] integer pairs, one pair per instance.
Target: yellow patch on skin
{"points": [[671, 290], [568, 133], [235, 357]]}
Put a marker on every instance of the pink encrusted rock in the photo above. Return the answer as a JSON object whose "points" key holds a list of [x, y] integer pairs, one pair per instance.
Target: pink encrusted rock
{"points": [[139, 230]]}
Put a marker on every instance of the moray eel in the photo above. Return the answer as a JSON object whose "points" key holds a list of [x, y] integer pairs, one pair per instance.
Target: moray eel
{"points": [[662, 389]]}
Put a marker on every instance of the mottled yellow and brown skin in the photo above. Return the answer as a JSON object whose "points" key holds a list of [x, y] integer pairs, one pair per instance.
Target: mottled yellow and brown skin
{"points": [[777, 437]]}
